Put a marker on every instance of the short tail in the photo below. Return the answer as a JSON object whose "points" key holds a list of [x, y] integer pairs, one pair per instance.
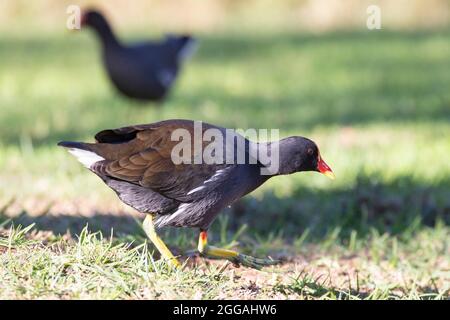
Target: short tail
{"points": [[187, 48], [82, 151], [74, 145]]}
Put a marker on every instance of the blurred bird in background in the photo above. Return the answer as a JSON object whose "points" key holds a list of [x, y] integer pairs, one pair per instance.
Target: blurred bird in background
{"points": [[146, 70]]}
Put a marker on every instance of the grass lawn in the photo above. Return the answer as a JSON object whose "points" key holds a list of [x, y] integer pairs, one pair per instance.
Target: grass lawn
{"points": [[377, 103]]}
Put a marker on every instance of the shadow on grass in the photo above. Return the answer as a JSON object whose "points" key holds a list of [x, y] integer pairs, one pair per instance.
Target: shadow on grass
{"points": [[396, 208], [400, 207]]}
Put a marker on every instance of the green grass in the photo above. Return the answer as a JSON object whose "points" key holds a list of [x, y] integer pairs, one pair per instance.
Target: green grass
{"points": [[377, 103], [90, 266]]}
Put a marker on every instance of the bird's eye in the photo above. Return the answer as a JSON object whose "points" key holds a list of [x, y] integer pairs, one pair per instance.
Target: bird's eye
{"points": [[310, 151]]}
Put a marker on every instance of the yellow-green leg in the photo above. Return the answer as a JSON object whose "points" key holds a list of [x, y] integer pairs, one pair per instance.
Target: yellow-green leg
{"points": [[149, 229], [233, 256]]}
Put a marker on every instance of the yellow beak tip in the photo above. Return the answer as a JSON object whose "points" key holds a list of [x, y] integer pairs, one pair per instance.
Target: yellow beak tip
{"points": [[330, 175]]}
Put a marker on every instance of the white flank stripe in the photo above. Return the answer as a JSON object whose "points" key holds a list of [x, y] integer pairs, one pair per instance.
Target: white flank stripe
{"points": [[216, 175], [180, 210], [196, 189], [87, 158]]}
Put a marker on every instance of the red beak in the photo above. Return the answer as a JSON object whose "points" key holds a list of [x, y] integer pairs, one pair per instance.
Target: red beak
{"points": [[323, 168]]}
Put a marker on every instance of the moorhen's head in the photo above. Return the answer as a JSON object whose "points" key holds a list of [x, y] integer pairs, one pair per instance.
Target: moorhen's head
{"points": [[96, 20], [301, 154]]}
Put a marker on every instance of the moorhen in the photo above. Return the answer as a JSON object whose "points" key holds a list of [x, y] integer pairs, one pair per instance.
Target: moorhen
{"points": [[138, 163], [146, 70]]}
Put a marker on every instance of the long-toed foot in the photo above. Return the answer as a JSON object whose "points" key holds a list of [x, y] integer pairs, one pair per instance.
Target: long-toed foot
{"points": [[252, 262], [233, 256]]}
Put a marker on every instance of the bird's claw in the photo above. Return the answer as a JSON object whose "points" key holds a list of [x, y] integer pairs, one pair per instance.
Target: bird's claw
{"points": [[252, 262]]}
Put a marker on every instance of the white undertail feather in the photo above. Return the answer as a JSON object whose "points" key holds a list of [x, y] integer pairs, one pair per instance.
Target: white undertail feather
{"points": [[188, 50], [87, 158]]}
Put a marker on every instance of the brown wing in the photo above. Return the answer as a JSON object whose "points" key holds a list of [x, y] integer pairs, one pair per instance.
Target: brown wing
{"points": [[142, 155]]}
